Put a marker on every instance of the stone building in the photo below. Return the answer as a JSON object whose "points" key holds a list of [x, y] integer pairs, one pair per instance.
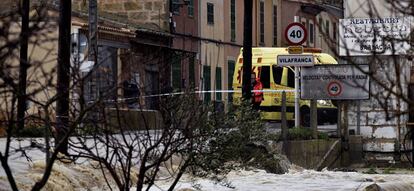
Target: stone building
{"points": [[151, 14], [145, 59], [167, 34], [382, 121]]}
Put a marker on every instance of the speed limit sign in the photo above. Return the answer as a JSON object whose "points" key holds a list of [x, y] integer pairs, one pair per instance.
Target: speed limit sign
{"points": [[295, 34]]}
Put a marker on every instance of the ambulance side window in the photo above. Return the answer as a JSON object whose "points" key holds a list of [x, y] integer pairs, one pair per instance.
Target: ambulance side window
{"points": [[265, 76], [277, 74], [291, 78]]}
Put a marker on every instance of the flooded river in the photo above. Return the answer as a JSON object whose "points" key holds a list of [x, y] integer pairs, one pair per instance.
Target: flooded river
{"points": [[69, 176], [310, 180]]}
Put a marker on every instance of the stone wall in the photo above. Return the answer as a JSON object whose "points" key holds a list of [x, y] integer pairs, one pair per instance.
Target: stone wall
{"points": [[134, 119], [150, 14], [308, 153], [384, 116]]}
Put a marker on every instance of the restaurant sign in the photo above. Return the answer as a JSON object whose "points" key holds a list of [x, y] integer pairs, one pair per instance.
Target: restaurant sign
{"points": [[367, 36]]}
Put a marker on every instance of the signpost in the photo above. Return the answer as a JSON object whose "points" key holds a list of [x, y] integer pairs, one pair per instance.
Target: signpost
{"points": [[335, 82], [295, 33], [295, 60], [382, 36], [334, 88], [295, 49]]}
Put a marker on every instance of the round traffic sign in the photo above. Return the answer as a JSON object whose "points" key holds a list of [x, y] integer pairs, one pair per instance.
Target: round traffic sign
{"points": [[334, 89], [296, 34]]}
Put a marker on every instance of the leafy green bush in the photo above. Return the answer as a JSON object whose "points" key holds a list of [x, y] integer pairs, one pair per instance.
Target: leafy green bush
{"points": [[246, 127], [301, 133], [323, 135], [242, 142]]}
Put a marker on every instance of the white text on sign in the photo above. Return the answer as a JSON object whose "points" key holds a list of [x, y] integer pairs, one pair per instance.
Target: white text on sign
{"points": [[295, 60]]}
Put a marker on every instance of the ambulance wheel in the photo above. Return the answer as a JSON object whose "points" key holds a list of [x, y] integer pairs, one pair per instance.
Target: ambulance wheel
{"points": [[305, 116]]}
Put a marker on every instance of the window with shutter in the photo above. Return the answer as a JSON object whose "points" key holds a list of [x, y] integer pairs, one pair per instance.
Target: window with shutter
{"points": [[233, 20], [207, 83], [191, 74], [218, 84], [262, 22], [190, 7], [230, 71], [210, 13]]}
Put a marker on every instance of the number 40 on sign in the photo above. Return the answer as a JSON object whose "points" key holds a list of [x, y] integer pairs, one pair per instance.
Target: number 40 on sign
{"points": [[295, 34]]}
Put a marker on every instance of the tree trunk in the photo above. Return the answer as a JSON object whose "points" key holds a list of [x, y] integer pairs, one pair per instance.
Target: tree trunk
{"points": [[24, 39]]}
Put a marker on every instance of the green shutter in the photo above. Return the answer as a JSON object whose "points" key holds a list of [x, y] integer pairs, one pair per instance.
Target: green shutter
{"points": [[176, 71], [230, 71], [207, 83], [218, 84], [190, 8], [210, 13], [191, 75], [176, 6]]}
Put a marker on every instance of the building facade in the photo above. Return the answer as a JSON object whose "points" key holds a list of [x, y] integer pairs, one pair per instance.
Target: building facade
{"points": [[186, 42], [382, 120], [270, 18], [212, 49], [233, 36], [151, 58], [266, 22], [320, 19]]}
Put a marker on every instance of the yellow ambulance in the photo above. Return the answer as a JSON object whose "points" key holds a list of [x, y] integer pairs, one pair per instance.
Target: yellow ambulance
{"points": [[274, 77]]}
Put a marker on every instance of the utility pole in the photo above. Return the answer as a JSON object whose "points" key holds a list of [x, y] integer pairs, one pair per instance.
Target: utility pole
{"points": [[24, 65], [93, 45], [63, 75], [247, 50], [297, 90], [93, 25]]}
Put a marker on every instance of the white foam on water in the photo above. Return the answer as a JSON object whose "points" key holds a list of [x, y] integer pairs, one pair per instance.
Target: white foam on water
{"points": [[64, 176], [69, 176], [304, 180]]}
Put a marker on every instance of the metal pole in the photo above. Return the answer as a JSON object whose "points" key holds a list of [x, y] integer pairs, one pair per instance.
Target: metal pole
{"points": [[247, 50], [93, 48], [93, 25], [314, 118], [284, 123], [345, 134], [358, 117], [339, 120], [297, 91], [63, 71]]}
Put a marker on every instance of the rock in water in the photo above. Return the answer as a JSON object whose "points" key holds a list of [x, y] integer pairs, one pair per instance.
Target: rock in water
{"points": [[276, 163], [389, 186], [373, 187], [258, 155]]}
